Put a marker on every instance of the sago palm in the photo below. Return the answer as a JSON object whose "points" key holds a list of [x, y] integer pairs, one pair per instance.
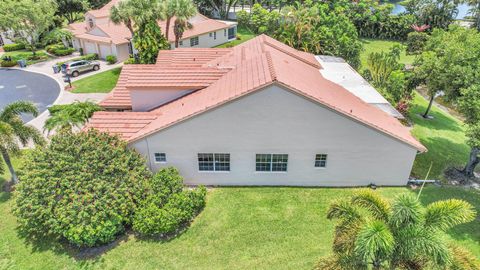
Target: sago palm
{"points": [[14, 131], [401, 234]]}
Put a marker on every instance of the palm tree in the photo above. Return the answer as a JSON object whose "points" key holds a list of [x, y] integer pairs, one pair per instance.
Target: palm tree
{"points": [[134, 13], [181, 9], [179, 27], [372, 231], [13, 131], [66, 117]]}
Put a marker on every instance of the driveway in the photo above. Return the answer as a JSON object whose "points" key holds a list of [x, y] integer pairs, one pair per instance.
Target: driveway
{"points": [[17, 85]]}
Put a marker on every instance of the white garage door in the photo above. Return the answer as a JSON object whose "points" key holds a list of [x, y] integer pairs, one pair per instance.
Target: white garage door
{"points": [[105, 50], [90, 48]]}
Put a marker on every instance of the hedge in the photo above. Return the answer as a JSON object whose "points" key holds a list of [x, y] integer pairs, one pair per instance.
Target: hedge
{"points": [[111, 59], [6, 63], [13, 47]]}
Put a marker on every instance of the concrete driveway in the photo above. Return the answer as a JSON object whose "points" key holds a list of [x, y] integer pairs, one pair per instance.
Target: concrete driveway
{"points": [[16, 85]]}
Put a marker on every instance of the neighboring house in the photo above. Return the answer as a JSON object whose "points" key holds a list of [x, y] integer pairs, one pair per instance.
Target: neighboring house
{"points": [[260, 113], [97, 34], [4, 40]]}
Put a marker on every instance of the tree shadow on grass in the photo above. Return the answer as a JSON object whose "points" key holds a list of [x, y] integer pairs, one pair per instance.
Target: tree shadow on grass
{"points": [[468, 231], [440, 121]]}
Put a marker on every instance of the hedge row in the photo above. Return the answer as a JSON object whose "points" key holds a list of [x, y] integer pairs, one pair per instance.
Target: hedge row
{"points": [[13, 47]]}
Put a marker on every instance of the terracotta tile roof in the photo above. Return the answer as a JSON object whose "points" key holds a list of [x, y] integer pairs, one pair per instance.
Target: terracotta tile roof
{"points": [[123, 124], [190, 57], [264, 61]]}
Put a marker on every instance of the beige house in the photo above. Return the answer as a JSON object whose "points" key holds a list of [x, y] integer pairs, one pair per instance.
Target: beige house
{"points": [[97, 34], [260, 113]]}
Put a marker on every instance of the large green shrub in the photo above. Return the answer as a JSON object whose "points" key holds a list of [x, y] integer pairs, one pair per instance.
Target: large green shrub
{"points": [[111, 59], [416, 42], [6, 63], [83, 187], [168, 205], [13, 47]]}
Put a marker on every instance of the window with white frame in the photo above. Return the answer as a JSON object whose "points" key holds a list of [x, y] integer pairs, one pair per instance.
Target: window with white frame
{"points": [[271, 162], [210, 34], [214, 162], [214, 35], [180, 42], [321, 160], [224, 32], [193, 41], [160, 157]]}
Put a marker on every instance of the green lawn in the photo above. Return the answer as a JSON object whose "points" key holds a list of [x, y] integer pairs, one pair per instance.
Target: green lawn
{"points": [[102, 82], [240, 228], [376, 45], [244, 34], [24, 54], [444, 136]]}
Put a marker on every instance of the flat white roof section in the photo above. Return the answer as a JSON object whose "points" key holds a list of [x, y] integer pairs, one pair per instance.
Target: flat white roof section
{"points": [[335, 69]]}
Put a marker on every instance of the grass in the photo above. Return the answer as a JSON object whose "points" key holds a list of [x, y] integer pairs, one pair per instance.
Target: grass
{"points": [[241, 228], [376, 45], [24, 54], [102, 82], [444, 136], [244, 34]]}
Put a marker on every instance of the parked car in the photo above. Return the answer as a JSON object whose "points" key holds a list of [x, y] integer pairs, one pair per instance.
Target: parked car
{"points": [[74, 68]]}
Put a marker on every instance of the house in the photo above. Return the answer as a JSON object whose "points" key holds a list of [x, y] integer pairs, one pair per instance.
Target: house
{"points": [[260, 113], [97, 34], [4, 39]]}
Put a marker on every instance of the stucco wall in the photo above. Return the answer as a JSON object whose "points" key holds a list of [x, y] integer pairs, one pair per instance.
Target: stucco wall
{"points": [[122, 52], [205, 41], [145, 100], [276, 120]]}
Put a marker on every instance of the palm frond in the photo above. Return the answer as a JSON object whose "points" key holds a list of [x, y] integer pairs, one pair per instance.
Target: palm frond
{"points": [[463, 259], [406, 210], [343, 210], [375, 242], [375, 204], [445, 214], [14, 109]]}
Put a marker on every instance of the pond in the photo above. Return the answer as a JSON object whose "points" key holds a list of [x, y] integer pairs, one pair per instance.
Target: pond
{"points": [[462, 9]]}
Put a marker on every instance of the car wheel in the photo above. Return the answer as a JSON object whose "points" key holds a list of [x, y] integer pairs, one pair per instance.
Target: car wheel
{"points": [[96, 68], [75, 74]]}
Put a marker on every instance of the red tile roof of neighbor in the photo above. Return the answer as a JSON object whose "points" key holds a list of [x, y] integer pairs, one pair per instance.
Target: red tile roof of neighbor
{"points": [[245, 68]]}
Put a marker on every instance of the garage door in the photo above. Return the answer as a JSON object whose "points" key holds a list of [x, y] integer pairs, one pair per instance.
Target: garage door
{"points": [[90, 48], [105, 50]]}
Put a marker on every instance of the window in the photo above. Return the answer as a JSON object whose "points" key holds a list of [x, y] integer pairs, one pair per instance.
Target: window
{"points": [[213, 162], [232, 33], [160, 157], [180, 42], [90, 22], [214, 35], [224, 32], [210, 34], [271, 162], [321, 160], [193, 41]]}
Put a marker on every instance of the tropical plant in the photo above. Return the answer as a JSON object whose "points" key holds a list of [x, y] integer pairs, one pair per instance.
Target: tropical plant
{"points": [[179, 27], [168, 206], [469, 105], [182, 10], [71, 10], [148, 41], [68, 116], [14, 131], [26, 20], [396, 235], [57, 35], [83, 187], [435, 13], [319, 29], [216, 7], [416, 42]]}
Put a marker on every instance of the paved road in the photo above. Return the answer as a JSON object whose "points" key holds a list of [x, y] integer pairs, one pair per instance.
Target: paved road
{"points": [[17, 85]]}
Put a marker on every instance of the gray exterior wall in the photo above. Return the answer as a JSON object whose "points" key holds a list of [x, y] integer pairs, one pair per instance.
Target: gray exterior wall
{"points": [[145, 100], [207, 41], [275, 120]]}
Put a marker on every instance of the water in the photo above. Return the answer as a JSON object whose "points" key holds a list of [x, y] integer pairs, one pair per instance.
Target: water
{"points": [[462, 9]]}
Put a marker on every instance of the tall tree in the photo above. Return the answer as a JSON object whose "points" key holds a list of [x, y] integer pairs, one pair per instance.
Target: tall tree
{"points": [[179, 27], [398, 235], [136, 14], [181, 9], [436, 13], [68, 116], [469, 105], [148, 41], [96, 4], [27, 20], [14, 131], [71, 10]]}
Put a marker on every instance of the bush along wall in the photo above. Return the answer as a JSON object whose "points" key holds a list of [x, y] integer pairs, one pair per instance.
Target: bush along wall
{"points": [[89, 187], [13, 47]]}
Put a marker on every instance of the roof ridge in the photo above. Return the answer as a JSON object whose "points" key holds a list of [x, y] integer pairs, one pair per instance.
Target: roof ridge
{"points": [[270, 66], [315, 65]]}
